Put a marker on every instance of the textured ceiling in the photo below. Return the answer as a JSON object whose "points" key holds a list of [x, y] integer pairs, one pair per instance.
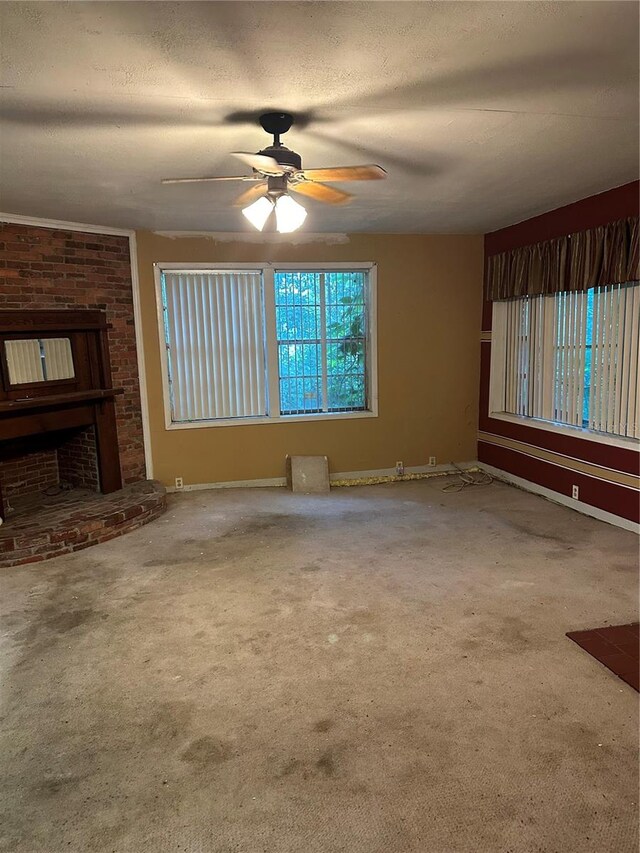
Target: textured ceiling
{"points": [[482, 113]]}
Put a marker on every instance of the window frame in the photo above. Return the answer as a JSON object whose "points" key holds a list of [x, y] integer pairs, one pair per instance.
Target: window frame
{"points": [[497, 384], [271, 343]]}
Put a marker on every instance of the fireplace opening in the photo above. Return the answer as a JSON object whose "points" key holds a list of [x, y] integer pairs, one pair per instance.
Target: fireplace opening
{"points": [[46, 465]]}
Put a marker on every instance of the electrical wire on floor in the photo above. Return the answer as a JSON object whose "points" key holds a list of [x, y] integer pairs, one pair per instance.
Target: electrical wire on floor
{"points": [[468, 478]]}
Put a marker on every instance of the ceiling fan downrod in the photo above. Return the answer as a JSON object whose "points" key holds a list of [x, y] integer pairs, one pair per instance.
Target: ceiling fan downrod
{"points": [[278, 124]]}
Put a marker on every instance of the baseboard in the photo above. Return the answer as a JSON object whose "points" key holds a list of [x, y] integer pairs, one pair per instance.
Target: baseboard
{"points": [[409, 469], [267, 482], [270, 482], [564, 500]]}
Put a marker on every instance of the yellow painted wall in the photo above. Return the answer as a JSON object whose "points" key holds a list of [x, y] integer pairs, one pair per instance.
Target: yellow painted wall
{"points": [[429, 304]]}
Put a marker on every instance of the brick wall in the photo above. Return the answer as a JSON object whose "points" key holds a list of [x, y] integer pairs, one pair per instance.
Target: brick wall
{"points": [[77, 461], [51, 268], [28, 472]]}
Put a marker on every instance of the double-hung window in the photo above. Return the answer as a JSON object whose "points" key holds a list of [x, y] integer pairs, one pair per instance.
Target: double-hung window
{"points": [[570, 358], [265, 344]]}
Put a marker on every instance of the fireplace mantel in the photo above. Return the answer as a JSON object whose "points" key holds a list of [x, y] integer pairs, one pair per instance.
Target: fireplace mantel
{"points": [[60, 398]]}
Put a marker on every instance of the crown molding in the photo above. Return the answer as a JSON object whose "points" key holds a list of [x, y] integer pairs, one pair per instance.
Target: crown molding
{"points": [[37, 222]]}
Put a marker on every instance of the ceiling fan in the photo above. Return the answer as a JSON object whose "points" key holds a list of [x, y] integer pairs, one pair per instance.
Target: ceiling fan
{"points": [[278, 170]]}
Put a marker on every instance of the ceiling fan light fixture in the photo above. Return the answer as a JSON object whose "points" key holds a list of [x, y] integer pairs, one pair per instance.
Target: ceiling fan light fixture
{"points": [[276, 170], [289, 214], [258, 212]]}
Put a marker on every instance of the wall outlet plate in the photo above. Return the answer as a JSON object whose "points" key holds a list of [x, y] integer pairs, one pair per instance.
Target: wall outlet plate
{"points": [[432, 460], [575, 493], [179, 483], [399, 468]]}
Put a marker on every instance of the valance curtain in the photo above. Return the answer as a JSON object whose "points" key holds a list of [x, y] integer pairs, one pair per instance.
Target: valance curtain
{"points": [[609, 254]]}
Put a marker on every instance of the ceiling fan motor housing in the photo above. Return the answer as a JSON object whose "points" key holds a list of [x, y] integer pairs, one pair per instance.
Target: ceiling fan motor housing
{"points": [[277, 185], [284, 156]]}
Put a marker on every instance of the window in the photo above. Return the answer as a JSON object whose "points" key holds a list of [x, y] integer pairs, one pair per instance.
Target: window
{"points": [[214, 332], [267, 344], [570, 358], [320, 324]]}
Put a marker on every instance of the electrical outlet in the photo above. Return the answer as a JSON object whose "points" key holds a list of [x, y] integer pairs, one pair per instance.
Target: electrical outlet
{"points": [[432, 460], [179, 483], [399, 468], [575, 493]]}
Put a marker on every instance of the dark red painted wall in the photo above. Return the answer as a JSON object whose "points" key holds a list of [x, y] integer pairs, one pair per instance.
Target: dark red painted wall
{"points": [[619, 500], [586, 213]]}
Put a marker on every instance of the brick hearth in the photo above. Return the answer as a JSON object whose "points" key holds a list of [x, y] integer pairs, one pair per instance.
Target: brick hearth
{"points": [[46, 526]]}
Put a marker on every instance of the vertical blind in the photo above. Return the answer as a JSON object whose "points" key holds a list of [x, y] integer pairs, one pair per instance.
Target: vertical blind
{"points": [[571, 357], [24, 361], [615, 399], [39, 360], [214, 327], [57, 357]]}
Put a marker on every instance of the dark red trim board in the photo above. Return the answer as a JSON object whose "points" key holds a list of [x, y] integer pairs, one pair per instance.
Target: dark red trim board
{"points": [[610, 497], [582, 450]]}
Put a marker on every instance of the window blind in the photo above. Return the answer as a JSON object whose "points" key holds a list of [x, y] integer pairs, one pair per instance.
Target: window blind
{"points": [[214, 327], [58, 358], [571, 357], [614, 360], [570, 350], [24, 361]]}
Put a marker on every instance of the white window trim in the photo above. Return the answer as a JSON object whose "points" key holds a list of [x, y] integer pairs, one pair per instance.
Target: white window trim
{"points": [[627, 442], [496, 395], [274, 417]]}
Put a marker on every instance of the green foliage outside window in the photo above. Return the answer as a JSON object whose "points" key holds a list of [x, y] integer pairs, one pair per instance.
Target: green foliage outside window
{"points": [[321, 332]]}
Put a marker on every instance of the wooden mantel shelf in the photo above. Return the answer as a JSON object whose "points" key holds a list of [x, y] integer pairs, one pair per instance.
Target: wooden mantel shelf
{"points": [[59, 399]]}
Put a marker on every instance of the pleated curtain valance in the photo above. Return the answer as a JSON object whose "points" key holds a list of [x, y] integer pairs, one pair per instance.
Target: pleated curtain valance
{"points": [[609, 254]]}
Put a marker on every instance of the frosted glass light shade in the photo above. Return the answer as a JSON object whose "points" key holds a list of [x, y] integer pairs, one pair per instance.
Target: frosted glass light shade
{"points": [[289, 214], [258, 212]]}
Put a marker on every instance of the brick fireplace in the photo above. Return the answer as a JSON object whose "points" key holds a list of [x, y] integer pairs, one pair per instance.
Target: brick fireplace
{"points": [[50, 268], [51, 478]]}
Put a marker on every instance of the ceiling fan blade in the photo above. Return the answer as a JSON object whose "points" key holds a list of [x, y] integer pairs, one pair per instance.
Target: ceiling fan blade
{"points": [[260, 162], [320, 192], [251, 194], [346, 173], [198, 180]]}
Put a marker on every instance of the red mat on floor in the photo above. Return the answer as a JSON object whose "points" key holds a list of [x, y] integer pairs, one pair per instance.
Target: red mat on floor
{"points": [[617, 647]]}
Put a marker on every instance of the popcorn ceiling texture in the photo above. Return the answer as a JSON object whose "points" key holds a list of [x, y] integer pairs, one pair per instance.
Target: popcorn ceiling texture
{"points": [[483, 114]]}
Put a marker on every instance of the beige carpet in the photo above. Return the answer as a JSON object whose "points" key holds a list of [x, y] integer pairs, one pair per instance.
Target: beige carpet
{"points": [[383, 670]]}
